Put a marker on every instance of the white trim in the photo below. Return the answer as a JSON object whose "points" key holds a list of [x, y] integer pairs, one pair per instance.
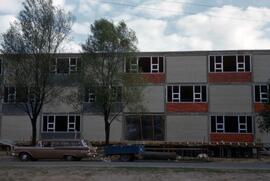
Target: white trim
{"points": [[222, 124], [238, 64]]}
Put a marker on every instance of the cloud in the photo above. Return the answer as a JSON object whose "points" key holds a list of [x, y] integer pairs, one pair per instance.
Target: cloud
{"points": [[160, 8], [245, 31], [5, 22], [10, 6], [226, 27], [81, 28], [63, 4], [70, 46]]}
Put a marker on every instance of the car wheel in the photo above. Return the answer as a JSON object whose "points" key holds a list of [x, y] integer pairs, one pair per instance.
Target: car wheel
{"points": [[125, 158], [69, 158], [24, 157]]}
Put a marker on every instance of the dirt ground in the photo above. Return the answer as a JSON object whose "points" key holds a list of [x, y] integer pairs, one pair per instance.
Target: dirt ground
{"points": [[125, 174]]}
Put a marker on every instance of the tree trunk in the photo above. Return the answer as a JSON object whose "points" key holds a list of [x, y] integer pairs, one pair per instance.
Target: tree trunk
{"points": [[34, 131], [107, 132]]}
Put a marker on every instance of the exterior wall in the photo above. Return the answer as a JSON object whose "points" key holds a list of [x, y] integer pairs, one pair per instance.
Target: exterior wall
{"points": [[59, 106], [261, 64], [229, 77], [153, 99], [186, 69], [182, 128], [230, 98], [17, 128], [93, 128]]}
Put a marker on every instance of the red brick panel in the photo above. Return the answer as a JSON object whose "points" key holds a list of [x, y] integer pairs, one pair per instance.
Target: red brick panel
{"points": [[154, 77], [229, 77], [187, 107], [259, 107], [231, 137]]}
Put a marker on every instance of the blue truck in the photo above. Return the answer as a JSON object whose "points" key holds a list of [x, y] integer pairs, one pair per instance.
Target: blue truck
{"points": [[126, 152]]}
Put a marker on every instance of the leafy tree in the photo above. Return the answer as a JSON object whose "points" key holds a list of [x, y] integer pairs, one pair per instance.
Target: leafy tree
{"points": [[105, 53], [29, 45]]}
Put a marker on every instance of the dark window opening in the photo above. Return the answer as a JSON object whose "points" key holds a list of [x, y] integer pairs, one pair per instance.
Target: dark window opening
{"points": [[213, 123], [144, 64], [212, 63], [169, 94], [160, 64], [45, 123], [257, 93], [231, 124], [78, 125], [146, 127], [247, 63], [63, 65], [229, 63], [61, 123], [186, 93]]}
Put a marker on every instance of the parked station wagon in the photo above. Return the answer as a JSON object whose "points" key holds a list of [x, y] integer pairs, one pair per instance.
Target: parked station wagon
{"points": [[55, 149]]}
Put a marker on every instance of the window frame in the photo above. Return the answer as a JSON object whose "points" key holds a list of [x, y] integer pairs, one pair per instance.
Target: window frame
{"points": [[261, 93], [70, 65], [9, 95], [53, 123], [152, 70], [140, 120], [237, 63], [240, 130], [193, 92]]}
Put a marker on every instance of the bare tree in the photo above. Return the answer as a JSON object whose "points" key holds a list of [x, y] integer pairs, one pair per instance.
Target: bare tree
{"points": [[29, 46], [106, 51]]}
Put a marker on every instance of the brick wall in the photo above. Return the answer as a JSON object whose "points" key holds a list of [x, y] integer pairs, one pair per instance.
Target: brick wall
{"points": [[231, 137], [187, 107], [229, 77], [154, 77]]}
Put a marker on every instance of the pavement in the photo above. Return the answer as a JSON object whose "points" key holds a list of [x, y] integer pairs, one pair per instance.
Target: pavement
{"points": [[8, 161]]}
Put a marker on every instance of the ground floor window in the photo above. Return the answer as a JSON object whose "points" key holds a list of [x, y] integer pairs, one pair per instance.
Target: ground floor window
{"points": [[231, 124], [61, 123], [144, 127]]}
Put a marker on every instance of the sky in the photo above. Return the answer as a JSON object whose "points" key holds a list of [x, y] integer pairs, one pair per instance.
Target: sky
{"points": [[167, 25]]}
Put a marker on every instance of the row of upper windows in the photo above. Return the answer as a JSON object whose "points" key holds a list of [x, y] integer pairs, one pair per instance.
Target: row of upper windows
{"points": [[156, 64], [175, 94]]}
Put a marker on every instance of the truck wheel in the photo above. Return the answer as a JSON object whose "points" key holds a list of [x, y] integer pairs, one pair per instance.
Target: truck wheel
{"points": [[24, 157], [125, 158], [69, 158]]}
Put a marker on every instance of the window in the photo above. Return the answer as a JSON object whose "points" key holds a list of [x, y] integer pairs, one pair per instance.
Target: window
{"points": [[89, 95], [145, 127], [65, 65], [186, 93], [61, 123], [261, 93], [229, 63], [20, 94], [116, 93], [231, 124], [9, 94], [146, 65]]}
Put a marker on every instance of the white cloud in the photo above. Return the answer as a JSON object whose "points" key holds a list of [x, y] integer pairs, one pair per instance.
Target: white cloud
{"points": [[63, 4], [93, 7], [69, 46], [5, 22], [81, 28], [244, 31], [160, 8], [10, 6], [227, 27]]}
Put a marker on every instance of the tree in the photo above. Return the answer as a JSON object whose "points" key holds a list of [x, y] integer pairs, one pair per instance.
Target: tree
{"points": [[30, 45], [105, 53]]}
